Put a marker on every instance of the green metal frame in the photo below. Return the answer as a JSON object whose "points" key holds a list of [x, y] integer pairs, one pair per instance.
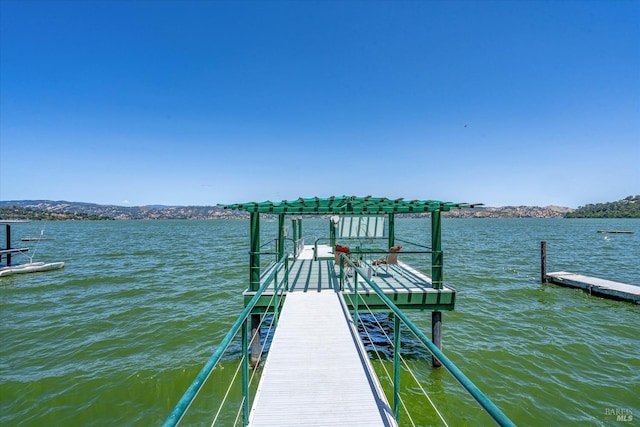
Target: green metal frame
{"points": [[345, 205], [351, 205], [348, 205]]}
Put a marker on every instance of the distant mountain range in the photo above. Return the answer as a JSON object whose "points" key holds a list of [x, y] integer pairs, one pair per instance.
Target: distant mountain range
{"points": [[51, 210], [79, 210]]}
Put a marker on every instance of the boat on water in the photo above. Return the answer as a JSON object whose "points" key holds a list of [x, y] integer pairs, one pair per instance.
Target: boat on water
{"points": [[35, 239], [8, 267], [615, 231], [30, 267]]}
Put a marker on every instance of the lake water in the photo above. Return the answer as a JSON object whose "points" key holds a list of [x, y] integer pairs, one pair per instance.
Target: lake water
{"points": [[117, 336]]}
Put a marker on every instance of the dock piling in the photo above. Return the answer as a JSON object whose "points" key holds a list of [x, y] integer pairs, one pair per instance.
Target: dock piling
{"points": [[255, 340], [543, 262], [436, 334]]}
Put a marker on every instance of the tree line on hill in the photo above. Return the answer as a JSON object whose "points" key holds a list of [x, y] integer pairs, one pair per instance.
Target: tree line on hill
{"points": [[22, 213], [629, 207], [61, 210]]}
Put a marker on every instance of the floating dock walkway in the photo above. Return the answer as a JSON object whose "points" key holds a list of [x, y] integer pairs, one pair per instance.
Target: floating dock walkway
{"points": [[321, 377], [595, 286], [317, 371]]}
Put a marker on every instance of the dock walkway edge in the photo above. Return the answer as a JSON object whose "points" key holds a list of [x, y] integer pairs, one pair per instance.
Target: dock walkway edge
{"points": [[596, 286]]}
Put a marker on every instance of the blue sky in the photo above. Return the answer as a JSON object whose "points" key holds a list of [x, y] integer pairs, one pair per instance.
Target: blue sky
{"points": [[205, 102]]}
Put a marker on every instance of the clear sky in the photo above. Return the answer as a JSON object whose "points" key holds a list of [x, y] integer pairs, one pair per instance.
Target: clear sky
{"points": [[205, 102]]}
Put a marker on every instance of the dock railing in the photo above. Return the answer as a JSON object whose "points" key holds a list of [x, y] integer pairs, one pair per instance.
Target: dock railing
{"points": [[242, 325], [487, 405]]}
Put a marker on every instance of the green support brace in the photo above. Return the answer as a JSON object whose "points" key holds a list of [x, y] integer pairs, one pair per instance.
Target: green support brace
{"points": [[281, 244], [392, 230], [254, 256]]}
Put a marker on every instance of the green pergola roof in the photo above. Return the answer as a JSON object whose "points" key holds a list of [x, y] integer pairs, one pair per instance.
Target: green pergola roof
{"points": [[348, 205]]}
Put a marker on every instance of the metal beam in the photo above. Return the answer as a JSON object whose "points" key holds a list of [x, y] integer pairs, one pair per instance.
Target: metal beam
{"points": [[254, 254]]}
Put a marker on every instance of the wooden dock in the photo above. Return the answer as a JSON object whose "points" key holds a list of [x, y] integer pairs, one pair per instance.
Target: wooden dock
{"points": [[595, 286], [321, 377]]}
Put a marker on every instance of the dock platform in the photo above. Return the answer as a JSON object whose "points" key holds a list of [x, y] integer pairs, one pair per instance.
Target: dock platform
{"points": [[316, 370], [321, 377], [595, 286], [408, 288]]}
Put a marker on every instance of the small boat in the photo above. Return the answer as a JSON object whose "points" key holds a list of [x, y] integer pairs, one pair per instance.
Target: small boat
{"points": [[30, 267], [10, 268]]}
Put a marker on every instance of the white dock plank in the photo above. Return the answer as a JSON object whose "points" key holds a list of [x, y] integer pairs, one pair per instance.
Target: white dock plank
{"points": [[315, 374], [308, 252], [596, 285]]}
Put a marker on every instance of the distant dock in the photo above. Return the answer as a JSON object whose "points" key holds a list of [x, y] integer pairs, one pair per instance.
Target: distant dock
{"points": [[595, 286], [616, 231]]}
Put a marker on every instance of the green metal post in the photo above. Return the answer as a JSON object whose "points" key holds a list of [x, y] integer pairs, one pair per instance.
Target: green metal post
{"points": [[436, 250], [392, 230], [436, 279], [254, 257], [396, 368], [332, 233], [286, 274], [245, 372], [280, 236]]}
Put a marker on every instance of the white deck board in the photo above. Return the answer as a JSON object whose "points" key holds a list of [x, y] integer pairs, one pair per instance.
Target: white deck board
{"points": [[316, 373]]}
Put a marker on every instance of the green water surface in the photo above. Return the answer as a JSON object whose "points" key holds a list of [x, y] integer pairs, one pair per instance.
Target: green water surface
{"points": [[118, 335]]}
